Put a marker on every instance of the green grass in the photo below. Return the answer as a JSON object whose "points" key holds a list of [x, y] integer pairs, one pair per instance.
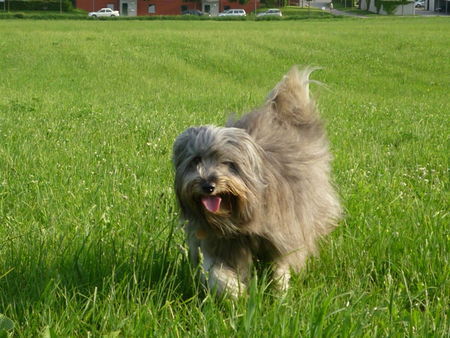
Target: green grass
{"points": [[295, 10], [89, 243]]}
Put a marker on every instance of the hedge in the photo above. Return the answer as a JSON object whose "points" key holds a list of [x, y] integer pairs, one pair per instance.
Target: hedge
{"points": [[18, 5], [69, 16]]}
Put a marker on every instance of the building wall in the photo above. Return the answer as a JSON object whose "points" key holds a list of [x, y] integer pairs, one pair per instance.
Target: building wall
{"points": [[173, 7], [165, 7], [95, 5], [161, 7], [249, 7], [407, 9]]}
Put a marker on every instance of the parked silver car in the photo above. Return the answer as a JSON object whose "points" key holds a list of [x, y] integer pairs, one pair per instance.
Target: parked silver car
{"points": [[271, 12], [194, 12], [419, 4], [234, 12]]}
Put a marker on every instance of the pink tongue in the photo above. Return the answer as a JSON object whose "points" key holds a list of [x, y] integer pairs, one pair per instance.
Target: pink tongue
{"points": [[212, 203]]}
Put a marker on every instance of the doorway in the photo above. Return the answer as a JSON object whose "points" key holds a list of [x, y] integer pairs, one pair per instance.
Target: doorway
{"points": [[124, 9]]}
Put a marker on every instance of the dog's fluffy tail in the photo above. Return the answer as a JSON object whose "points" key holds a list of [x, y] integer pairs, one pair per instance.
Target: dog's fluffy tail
{"points": [[291, 101]]}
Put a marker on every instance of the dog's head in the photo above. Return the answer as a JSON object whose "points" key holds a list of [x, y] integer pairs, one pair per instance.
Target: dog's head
{"points": [[218, 176]]}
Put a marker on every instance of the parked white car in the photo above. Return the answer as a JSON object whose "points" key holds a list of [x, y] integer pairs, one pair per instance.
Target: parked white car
{"points": [[233, 12], [104, 12], [271, 12]]}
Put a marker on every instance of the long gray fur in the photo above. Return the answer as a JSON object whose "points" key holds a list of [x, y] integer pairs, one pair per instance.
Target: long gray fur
{"points": [[271, 169]]}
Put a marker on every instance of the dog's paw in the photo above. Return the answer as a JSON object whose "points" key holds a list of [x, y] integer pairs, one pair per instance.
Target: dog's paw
{"points": [[281, 278], [224, 281]]}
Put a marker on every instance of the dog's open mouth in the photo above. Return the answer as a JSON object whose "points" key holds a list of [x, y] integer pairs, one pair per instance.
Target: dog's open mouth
{"points": [[212, 203], [218, 204]]}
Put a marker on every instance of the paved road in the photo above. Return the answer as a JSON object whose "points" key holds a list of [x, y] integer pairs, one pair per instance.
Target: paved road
{"points": [[326, 4], [423, 12]]}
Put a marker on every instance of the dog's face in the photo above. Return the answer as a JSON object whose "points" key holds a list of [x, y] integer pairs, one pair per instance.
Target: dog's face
{"points": [[218, 176]]}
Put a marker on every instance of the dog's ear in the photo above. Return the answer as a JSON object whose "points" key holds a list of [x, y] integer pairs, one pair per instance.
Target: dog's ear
{"points": [[291, 101], [231, 121], [180, 146]]}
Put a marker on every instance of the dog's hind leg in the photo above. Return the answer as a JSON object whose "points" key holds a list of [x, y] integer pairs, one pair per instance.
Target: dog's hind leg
{"points": [[284, 265]]}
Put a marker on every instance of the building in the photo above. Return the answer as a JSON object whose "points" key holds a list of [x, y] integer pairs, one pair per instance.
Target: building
{"points": [[382, 7], [164, 7], [442, 6]]}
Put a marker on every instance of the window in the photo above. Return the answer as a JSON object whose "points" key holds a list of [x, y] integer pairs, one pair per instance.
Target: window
{"points": [[110, 6], [184, 8], [225, 8], [152, 9]]}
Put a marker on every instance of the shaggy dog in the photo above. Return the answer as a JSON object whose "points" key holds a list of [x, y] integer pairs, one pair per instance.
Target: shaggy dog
{"points": [[257, 189]]}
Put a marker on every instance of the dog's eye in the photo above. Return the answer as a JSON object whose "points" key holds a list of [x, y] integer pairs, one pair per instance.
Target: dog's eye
{"points": [[231, 166], [196, 160]]}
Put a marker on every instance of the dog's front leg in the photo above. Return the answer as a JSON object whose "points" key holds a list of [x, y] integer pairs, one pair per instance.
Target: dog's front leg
{"points": [[193, 244], [221, 278], [281, 275]]}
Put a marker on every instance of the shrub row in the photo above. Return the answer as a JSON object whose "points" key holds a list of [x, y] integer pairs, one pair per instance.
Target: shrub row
{"points": [[20, 5], [78, 14], [55, 16], [345, 3]]}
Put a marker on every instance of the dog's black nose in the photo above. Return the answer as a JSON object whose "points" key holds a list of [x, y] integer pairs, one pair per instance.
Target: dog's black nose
{"points": [[208, 187]]}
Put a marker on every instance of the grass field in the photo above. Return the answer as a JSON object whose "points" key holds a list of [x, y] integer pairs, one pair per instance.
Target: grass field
{"points": [[89, 243]]}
